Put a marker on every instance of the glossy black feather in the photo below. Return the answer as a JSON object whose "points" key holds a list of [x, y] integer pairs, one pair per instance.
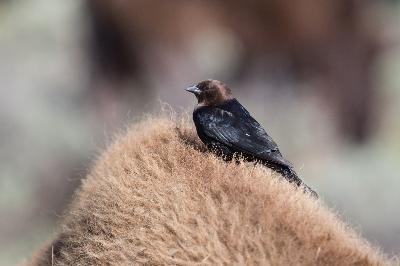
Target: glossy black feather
{"points": [[230, 128], [227, 128]]}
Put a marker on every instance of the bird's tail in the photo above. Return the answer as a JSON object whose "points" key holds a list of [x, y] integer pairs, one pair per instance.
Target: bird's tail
{"points": [[292, 177]]}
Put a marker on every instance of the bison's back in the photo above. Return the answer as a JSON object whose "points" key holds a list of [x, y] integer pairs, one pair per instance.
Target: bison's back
{"points": [[155, 198]]}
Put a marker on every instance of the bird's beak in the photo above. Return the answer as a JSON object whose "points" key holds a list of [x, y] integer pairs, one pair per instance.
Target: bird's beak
{"points": [[194, 90]]}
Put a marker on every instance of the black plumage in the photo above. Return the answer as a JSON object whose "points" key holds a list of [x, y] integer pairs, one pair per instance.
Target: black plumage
{"points": [[226, 127]]}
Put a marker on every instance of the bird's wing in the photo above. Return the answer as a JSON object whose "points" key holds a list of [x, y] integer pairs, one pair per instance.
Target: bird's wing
{"points": [[241, 133]]}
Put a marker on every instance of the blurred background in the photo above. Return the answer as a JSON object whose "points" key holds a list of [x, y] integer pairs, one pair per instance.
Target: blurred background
{"points": [[323, 77]]}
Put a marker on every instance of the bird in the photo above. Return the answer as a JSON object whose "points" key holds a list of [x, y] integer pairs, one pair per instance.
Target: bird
{"points": [[228, 129]]}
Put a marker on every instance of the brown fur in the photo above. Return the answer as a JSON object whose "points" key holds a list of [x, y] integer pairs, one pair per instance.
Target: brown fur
{"points": [[154, 198]]}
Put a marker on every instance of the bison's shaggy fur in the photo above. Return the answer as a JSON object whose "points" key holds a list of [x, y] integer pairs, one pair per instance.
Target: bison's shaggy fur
{"points": [[156, 198]]}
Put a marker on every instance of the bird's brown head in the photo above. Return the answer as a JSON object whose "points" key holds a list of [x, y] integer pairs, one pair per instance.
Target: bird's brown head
{"points": [[211, 92]]}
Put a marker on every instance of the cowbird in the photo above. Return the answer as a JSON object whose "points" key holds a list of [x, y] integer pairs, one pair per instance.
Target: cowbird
{"points": [[227, 128]]}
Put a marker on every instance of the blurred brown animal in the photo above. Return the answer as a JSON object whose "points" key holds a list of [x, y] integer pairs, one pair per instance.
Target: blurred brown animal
{"points": [[333, 42], [155, 198]]}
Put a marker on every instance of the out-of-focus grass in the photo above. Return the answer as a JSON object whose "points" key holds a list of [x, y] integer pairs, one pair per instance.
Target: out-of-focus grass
{"points": [[42, 123]]}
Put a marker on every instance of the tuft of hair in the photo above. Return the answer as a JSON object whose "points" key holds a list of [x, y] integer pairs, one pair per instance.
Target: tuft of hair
{"points": [[155, 197]]}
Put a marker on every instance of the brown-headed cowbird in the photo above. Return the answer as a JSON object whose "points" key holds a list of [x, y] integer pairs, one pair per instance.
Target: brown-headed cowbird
{"points": [[227, 128]]}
